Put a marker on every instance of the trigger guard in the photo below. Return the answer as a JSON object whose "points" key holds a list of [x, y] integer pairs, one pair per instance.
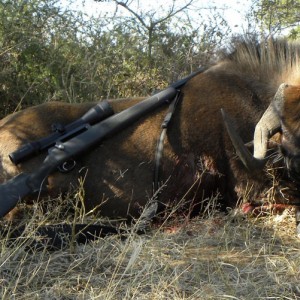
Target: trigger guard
{"points": [[67, 166]]}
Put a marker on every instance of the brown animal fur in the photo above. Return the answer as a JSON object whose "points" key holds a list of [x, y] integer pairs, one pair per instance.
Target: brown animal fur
{"points": [[291, 109], [119, 172]]}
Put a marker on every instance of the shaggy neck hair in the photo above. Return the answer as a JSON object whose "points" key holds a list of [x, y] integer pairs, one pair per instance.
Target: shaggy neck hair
{"points": [[263, 65]]}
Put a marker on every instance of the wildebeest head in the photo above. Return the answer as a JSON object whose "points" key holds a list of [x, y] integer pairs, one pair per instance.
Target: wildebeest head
{"points": [[282, 115]]}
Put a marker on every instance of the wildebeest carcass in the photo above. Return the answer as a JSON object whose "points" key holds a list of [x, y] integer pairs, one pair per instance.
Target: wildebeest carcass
{"points": [[199, 160]]}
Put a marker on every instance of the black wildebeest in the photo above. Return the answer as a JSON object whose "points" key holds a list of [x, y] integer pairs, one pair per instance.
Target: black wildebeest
{"points": [[199, 160]]}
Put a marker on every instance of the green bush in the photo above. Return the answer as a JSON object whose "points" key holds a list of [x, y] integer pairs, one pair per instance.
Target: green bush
{"points": [[49, 53]]}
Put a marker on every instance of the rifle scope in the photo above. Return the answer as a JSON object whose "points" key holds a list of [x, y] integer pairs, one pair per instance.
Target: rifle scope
{"points": [[96, 114]]}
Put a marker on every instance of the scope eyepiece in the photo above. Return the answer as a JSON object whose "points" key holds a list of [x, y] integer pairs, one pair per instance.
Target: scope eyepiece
{"points": [[24, 152]]}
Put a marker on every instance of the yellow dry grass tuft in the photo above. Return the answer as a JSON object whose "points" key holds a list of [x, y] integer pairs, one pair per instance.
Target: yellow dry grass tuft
{"points": [[213, 257]]}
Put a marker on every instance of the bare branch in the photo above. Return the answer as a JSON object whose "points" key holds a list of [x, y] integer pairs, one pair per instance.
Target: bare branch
{"points": [[172, 12], [124, 4]]}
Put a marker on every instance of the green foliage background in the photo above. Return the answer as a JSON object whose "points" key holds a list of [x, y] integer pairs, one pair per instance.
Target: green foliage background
{"points": [[277, 17], [49, 53], [52, 53]]}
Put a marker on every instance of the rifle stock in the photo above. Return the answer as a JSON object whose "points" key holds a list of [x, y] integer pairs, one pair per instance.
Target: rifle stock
{"points": [[26, 184]]}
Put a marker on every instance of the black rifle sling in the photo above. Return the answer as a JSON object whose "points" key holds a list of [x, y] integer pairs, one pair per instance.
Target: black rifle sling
{"points": [[152, 207], [160, 143]]}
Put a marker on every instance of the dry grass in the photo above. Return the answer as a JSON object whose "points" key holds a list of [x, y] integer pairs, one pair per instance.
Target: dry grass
{"points": [[216, 257]]}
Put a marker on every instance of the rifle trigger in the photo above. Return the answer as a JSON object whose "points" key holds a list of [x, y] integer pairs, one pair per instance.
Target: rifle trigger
{"points": [[67, 166]]}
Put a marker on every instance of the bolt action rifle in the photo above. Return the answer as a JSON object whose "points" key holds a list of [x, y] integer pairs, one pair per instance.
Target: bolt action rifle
{"points": [[26, 184]]}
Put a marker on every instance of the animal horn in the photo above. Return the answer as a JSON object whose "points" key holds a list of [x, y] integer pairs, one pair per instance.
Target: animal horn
{"points": [[267, 126], [250, 162]]}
